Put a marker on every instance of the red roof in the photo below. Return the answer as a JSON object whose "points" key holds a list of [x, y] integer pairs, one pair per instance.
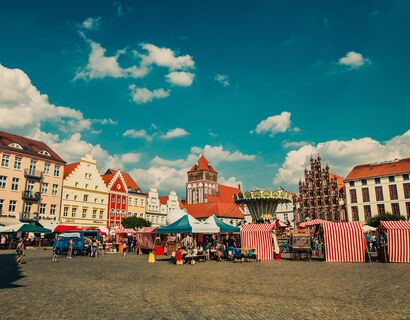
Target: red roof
{"points": [[70, 168], [379, 169], [107, 178], [340, 180], [109, 174], [219, 209], [226, 193], [29, 146], [163, 199], [203, 163]]}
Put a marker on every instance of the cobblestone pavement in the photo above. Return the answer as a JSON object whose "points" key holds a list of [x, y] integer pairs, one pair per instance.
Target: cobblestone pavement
{"points": [[112, 287]]}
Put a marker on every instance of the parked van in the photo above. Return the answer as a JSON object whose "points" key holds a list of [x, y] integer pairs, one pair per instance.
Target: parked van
{"points": [[82, 240]]}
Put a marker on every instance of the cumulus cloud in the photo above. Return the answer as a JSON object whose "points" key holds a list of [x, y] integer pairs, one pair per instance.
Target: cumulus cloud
{"points": [[161, 177], [342, 156], [231, 181], [144, 95], [275, 124], [181, 78], [293, 144], [165, 57], [223, 80], [175, 133], [24, 108], [142, 133], [91, 23], [353, 60], [106, 121]]}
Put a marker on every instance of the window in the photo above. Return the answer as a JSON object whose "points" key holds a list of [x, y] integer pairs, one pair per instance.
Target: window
{"points": [[94, 214], [367, 211], [56, 171], [355, 213], [73, 212], [376, 180], [380, 209], [395, 208], [101, 214], [379, 193], [47, 169], [118, 199], [53, 210], [112, 199], [42, 208], [407, 209], [351, 183], [405, 177], [393, 192], [33, 164], [142, 202], [27, 206], [5, 160], [129, 201], [17, 163], [112, 212], [136, 202], [406, 188], [141, 215], [95, 200], [55, 189], [353, 196], [15, 145], [1, 205], [12, 205], [365, 194], [123, 200], [44, 188], [75, 198], [45, 153], [30, 186], [364, 182], [85, 197], [15, 184], [391, 179], [65, 212], [76, 184], [3, 182], [84, 214]]}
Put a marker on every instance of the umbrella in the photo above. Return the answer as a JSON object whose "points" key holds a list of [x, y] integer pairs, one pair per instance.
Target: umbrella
{"points": [[367, 228], [25, 227], [223, 227], [188, 224]]}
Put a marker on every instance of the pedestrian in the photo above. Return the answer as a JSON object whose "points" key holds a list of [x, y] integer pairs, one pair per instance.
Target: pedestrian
{"points": [[3, 242], [125, 249], [70, 248], [94, 248], [54, 254], [104, 246], [19, 252]]}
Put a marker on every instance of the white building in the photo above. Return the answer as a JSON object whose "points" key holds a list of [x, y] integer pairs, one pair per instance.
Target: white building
{"points": [[158, 207], [376, 188]]}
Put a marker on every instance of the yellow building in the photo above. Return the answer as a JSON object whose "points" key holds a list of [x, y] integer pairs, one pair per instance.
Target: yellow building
{"points": [[85, 195]]}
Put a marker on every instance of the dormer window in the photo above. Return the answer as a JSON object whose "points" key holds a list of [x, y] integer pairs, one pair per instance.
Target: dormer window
{"points": [[45, 153], [15, 145]]}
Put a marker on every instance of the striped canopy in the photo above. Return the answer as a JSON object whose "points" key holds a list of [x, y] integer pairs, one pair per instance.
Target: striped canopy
{"points": [[311, 223], [258, 236], [398, 240]]}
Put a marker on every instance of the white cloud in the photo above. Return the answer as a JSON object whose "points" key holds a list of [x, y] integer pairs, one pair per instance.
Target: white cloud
{"points": [[178, 163], [212, 134], [180, 78], [293, 144], [130, 157], [106, 121], [274, 124], [24, 109], [175, 133], [353, 60], [231, 181], [161, 177], [91, 23], [144, 95], [342, 156], [142, 133], [223, 79], [165, 57]]}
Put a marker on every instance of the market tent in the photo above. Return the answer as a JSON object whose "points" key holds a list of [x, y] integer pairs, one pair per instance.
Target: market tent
{"points": [[344, 242], [145, 237], [223, 227], [63, 228], [312, 223], [398, 240], [25, 227], [258, 236], [188, 224], [367, 229], [279, 224]]}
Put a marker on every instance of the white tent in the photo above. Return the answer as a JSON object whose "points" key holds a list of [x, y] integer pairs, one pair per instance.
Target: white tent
{"points": [[202, 227], [367, 228], [12, 228]]}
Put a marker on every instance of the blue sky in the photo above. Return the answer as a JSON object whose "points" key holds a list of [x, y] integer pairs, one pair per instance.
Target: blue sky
{"points": [[259, 86]]}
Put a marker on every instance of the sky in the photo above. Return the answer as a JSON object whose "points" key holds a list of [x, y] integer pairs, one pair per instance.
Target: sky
{"points": [[257, 86]]}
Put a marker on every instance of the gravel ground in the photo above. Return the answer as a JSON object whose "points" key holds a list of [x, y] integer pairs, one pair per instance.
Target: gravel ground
{"points": [[112, 287]]}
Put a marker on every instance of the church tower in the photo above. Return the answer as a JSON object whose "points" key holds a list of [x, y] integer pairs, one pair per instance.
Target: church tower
{"points": [[202, 181]]}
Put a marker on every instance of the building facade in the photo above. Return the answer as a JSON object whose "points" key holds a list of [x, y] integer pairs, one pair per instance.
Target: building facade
{"points": [[117, 198], [85, 195], [378, 188], [31, 180], [158, 207], [321, 195]]}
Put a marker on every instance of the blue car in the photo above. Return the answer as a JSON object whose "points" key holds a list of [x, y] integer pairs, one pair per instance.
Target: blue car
{"points": [[82, 240]]}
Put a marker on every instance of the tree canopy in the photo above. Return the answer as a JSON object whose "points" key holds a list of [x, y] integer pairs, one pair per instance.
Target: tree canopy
{"points": [[375, 221], [134, 222]]}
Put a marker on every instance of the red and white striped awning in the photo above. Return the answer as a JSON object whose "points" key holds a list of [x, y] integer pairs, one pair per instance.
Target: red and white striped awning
{"points": [[311, 223], [258, 236], [344, 242], [398, 240]]}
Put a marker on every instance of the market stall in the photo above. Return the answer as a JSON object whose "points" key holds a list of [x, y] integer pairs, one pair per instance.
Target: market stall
{"points": [[188, 224], [145, 237], [398, 240], [258, 236], [344, 242], [223, 227], [311, 223]]}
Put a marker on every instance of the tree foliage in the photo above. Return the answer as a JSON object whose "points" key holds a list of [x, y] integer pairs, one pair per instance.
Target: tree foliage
{"points": [[134, 222], [375, 221]]}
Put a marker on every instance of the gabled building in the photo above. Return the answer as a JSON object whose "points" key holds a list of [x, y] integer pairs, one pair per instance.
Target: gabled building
{"points": [[85, 195], [31, 180], [158, 207], [377, 188]]}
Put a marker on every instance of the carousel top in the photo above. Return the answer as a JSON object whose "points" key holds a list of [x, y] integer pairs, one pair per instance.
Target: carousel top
{"points": [[278, 194]]}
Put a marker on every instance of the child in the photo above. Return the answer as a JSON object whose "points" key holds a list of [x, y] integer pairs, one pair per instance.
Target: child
{"points": [[124, 250], [54, 254], [178, 257]]}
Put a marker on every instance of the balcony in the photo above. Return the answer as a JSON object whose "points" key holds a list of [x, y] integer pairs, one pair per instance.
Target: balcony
{"points": [[28, 216], [31, 196], [33, 174]]}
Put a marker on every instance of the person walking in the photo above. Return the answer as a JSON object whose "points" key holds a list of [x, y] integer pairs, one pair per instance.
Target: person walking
{"points": [[70, 248], [3, 242], [20, 252], [125, 249], [54, 254]]}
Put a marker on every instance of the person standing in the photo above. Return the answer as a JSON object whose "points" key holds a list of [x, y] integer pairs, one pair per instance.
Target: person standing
{"points": [[125, 249], [54, 254], [20, 252], [3, 242], [70, 248]]}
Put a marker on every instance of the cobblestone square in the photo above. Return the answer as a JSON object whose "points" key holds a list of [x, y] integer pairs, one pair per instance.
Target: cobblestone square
{"points": [[112, 287]]}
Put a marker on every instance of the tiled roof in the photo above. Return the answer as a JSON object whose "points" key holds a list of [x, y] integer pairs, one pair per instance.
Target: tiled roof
{"points": [[340, 180], [219, 209], [203, 163], [226, 193], [163, 199], [107, 178], [379, 169], [70, 168], [30, 146], [127, 178]]}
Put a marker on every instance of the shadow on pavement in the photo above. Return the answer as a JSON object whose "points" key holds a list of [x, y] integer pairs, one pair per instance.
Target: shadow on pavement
{"points": [[9, 271]]}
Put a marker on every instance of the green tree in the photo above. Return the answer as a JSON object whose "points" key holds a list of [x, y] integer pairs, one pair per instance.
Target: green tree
{"points": [[375, 221], [134, 222]]}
